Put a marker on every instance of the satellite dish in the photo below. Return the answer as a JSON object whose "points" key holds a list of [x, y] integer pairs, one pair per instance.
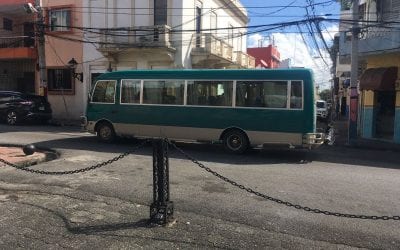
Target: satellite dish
{"points": [[264, 63]]}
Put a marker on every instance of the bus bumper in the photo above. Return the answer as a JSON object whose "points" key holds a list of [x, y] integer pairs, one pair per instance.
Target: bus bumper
{"points": [[313, 140]]}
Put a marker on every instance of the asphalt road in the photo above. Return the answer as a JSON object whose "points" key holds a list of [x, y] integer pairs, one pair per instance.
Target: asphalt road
{"points": [[108, 208]]}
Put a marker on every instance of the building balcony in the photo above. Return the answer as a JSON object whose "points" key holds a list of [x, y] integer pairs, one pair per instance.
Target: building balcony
{"points": [[142, 38], [208, 51], [244, 60], [17, 48], [372, 41]]}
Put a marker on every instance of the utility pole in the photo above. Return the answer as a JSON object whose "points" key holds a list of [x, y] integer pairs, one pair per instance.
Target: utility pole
{"points": [[353, 114], [41, 50]]}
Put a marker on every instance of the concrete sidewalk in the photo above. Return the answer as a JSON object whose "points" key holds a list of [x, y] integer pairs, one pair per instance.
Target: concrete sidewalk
{"points": [[15, 155], [341, 139]]}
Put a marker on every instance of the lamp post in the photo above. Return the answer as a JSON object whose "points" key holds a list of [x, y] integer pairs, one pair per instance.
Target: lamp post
{"points": [[72, 65]]}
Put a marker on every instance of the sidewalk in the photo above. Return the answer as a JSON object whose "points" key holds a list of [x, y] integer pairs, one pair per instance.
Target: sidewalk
{"points": [[341, 139], [15, 155]]}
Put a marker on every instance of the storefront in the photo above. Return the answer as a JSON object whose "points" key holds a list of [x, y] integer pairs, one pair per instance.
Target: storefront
{"points": [[380, 114]]}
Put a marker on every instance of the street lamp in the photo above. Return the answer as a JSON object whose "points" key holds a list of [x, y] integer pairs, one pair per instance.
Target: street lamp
{"points": [[72, 65], [29, 8]]}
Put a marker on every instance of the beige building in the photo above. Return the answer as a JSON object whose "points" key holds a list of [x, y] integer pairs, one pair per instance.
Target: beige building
{"points": [[142, 34], [66, 92]]}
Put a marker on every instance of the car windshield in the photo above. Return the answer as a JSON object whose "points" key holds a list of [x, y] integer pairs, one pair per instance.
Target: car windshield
{"points": [[320, 104]]}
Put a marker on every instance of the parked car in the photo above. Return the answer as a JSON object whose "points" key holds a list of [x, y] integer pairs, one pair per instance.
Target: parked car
{"points": [[322, 110], [16, 107]]}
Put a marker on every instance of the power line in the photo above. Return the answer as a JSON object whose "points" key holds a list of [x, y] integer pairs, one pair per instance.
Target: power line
{"points": [[324, 3]]}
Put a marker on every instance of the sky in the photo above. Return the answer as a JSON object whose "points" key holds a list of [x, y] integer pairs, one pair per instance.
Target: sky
{"points": [[293, 41]]}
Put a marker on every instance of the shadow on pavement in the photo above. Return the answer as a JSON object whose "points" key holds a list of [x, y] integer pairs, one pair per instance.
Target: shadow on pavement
{"points": [[338, 154], [215, 153], [39, 128], [101, 230]]}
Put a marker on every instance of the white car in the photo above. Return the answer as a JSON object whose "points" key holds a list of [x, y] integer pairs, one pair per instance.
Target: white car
{"points": [[322, 109]]}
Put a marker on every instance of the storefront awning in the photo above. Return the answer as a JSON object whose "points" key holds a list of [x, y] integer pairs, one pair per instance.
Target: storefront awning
{"points": [[379, 79]]}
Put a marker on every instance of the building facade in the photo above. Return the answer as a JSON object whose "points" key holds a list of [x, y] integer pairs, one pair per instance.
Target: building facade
{"points": [[63, 42], [159, 34], [85, 38], [18, 53], [379, 78], [19, 56], [266, 57]]}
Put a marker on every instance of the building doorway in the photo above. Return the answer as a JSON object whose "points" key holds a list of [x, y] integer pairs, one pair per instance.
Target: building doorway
{"points": [[343, 107], [385, 113]]}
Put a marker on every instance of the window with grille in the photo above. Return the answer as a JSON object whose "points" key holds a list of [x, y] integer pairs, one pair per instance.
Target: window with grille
{"points": [[60, 80]]}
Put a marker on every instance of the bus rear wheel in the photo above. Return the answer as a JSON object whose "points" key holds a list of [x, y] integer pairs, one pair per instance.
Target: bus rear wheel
{"points": [[105, 132], [235, 141]]}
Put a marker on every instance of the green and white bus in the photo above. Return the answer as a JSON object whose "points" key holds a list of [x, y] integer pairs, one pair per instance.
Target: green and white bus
{"points": [[240, 108]]}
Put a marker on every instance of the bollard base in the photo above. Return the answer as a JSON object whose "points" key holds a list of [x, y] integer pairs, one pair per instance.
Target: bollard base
{"points": [[161, 214]]}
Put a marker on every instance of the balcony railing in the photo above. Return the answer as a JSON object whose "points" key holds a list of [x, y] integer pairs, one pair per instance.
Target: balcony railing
{"points": [[372, 32], [19, 42], [210, 44], [244, 60], [372, 40], [142, 36]]}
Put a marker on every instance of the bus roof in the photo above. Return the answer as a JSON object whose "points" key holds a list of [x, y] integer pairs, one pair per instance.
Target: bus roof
{"points": [[272, 74]]}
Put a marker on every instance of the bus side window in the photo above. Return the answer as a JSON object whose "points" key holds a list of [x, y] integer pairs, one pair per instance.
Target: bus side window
{"points": [[163, 92], [250, 94], [104, 92], [296, 95], [276, 94], [130, 91], [210, 93]]}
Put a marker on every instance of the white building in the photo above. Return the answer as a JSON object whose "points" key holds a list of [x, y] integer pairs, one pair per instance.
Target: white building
{"points": [[140, 34]]}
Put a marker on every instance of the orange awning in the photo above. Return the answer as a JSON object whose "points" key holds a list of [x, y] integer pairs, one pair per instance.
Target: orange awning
{"points": [[378, 79], [18, 53]]}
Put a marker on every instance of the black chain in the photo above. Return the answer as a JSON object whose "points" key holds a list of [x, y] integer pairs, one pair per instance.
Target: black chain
{"points": [[99, 165], [289, 204]]}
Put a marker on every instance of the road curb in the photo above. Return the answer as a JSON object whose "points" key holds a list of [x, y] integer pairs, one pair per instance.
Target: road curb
{"points": [[48, 155]]}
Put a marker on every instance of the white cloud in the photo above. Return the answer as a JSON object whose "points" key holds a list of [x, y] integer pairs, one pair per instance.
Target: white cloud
{"points": [[292, 46]]}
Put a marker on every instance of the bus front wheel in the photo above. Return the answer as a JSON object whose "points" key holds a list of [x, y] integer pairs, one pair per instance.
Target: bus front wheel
{"points": [[236, 141], [105, 132]]}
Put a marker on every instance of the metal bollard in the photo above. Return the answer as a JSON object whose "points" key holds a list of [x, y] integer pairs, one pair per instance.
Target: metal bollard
{"points": [[162, 209]]}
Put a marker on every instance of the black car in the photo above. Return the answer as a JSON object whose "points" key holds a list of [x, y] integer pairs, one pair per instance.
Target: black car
{"points": [[16, 107]]}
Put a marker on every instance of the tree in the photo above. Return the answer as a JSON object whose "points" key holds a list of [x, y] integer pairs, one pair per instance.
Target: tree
{"points": [[325, 95]]}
